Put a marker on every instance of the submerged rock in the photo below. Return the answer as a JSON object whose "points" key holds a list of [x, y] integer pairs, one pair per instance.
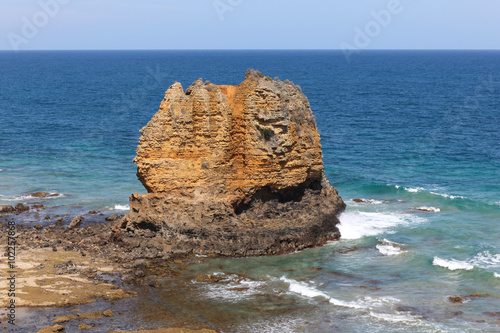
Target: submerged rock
{"points": [[234, 171]]}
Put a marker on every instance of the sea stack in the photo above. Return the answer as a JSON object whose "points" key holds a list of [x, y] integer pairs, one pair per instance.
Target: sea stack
{"points": [[233, 171]]}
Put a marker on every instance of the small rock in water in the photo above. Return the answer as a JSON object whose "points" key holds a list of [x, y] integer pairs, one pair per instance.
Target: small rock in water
{"points": [[84, 327], [20, 207], [52, 329], [6, 209], [90, 315], [40, 194], [492, 314], [358, 200], [108, 313], [456, 299], [208, 278], [75, 222]]}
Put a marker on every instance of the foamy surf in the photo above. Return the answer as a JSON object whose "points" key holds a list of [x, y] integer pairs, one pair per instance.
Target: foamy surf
{"points": [[486, 260], [496, 275], [452, 264], [231, 288], [355, 225], [388, 248], [367, 201], [309, 291], [121, 207], [23, 197], [427, 209], [450, 196], [422, 189]]}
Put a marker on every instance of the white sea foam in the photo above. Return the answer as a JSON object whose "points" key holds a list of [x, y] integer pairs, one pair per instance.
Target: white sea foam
{"points": [[397, 318], [418, 189], [370, 201], [231, 288], [448, 195], [354, 225], [414, 189], [452, 264], [428, 209], [486, 260], [388, 248], [496, 275], [122, 207], [51, 195], [305, 289]]}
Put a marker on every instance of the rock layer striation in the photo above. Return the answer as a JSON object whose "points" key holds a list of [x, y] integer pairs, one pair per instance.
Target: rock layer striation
{"points": [[233, 170]]}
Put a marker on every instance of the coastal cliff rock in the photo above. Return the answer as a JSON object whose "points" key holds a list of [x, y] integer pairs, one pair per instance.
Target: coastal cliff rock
{"points": [[233, 170]]}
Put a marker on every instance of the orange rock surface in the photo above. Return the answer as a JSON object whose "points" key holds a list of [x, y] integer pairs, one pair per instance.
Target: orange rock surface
{"points": [[231, 140]]}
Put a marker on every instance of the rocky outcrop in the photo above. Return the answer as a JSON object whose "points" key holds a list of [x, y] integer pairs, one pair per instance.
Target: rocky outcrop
{"points": [[234, 170]]}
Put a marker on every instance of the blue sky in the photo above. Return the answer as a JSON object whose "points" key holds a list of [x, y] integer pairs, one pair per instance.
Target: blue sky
{"points": [[249, 24]]}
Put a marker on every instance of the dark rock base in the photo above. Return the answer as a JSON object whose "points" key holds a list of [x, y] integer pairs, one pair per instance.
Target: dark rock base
{"points": [[268, 223]]}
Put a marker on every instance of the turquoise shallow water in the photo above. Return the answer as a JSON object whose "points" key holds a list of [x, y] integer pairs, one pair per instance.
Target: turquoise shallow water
{"points": [[416, 135]]}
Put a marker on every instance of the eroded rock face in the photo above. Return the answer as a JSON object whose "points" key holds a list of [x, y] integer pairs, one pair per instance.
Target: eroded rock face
{"points": [[234, 170]]}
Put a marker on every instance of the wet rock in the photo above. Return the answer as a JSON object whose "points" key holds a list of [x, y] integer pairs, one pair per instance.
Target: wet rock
{"points": [[455, 299], [208, 278], [85, 327], [61, 319], [52, 329], [39, 194], [93, 212], [75, 222], [139, 273], [139, 263], [20, 207], [112, 217], [108, 313], [38, 206], [358, 200], [90, 315], [6, 209], [347, 250], [492, 314], [477, 295]]}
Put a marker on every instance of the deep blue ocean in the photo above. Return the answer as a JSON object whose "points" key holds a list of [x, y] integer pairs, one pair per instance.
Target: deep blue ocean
{"points": [[414, 134]]}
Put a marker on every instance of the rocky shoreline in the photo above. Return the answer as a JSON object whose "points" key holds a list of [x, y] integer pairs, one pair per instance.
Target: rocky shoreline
{"points": [[231, 171], [62, 265]]}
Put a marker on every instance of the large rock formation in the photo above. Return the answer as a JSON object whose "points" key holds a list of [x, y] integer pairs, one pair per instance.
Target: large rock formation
{"points": [[234, 170]]}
